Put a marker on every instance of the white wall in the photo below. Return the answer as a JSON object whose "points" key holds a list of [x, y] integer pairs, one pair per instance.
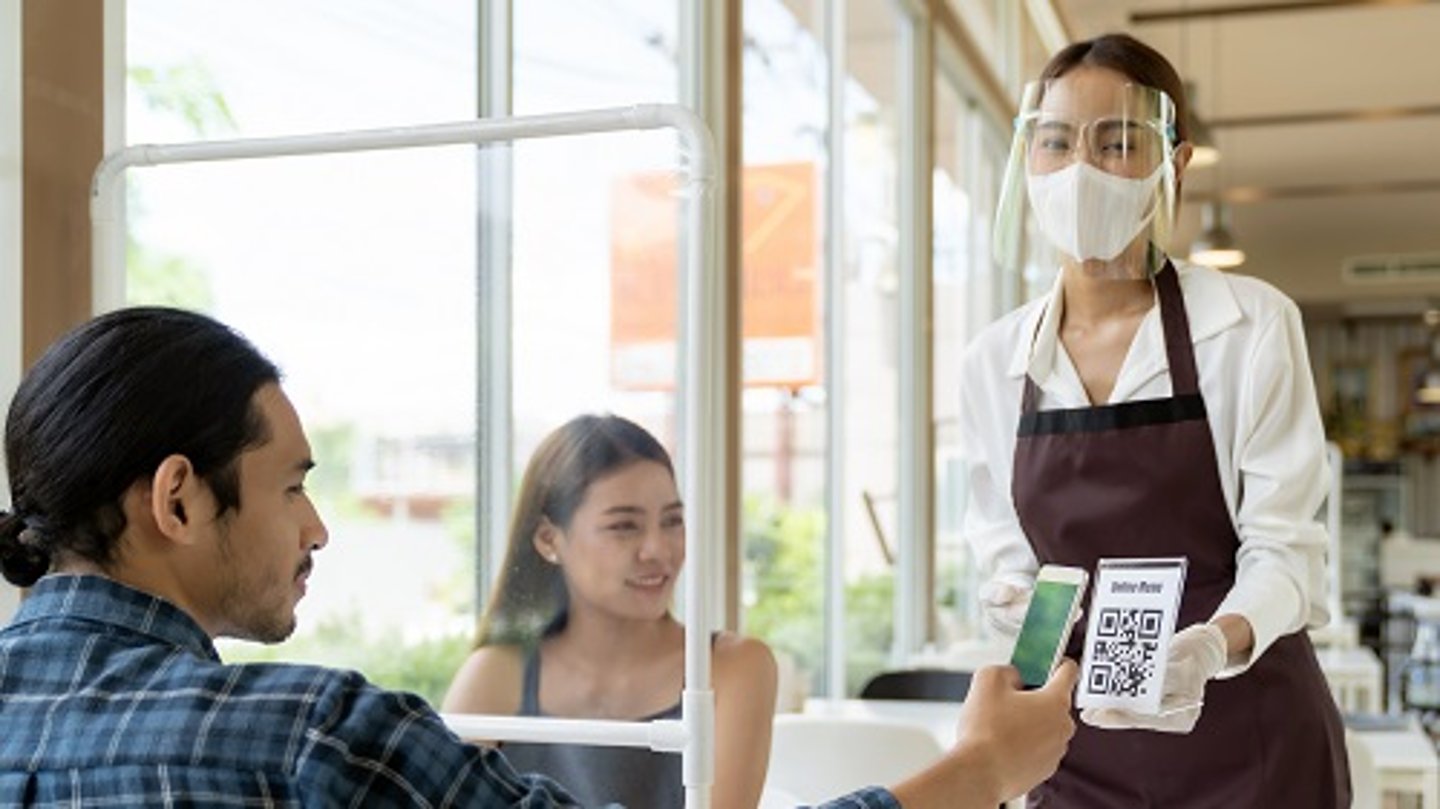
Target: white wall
{"points": [[10, 231]]}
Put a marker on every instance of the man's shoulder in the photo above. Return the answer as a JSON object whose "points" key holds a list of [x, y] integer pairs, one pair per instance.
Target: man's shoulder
{"points": [[274, 713], [289, 677], [311, 694], [187, 708], [278, 695], [327, 701]]}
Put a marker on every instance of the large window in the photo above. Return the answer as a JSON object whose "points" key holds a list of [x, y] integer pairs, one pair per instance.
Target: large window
{"points": [[796, 481], [952, 266], [595, 223], [783, 190], [971, 289], [426, 304], [355, 273], [870, 272]]}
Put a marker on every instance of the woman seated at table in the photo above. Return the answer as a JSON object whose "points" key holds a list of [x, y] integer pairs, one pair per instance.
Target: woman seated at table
{"points": [[579, 625]]}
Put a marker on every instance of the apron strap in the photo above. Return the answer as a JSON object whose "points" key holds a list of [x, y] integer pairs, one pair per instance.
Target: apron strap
{"points": [[1178, 348], [1029, 398]]}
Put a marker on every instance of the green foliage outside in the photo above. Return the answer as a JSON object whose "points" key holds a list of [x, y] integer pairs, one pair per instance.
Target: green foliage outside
{"points": [[784, 571], [330, 482], [869, 628], [459, 588], [156, 278], [784, 555], [424, 668], [190, 95], [187, 92]]}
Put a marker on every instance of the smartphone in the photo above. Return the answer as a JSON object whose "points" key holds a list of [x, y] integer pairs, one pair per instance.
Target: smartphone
{"points": [[1053, 608]]}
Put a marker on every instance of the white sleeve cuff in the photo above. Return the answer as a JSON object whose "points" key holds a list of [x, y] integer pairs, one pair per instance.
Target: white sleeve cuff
{"points": [[1272, 613]]}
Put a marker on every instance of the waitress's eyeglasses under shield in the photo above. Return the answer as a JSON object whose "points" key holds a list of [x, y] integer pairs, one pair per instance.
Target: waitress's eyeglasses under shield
{"points": [[1124, 147]]}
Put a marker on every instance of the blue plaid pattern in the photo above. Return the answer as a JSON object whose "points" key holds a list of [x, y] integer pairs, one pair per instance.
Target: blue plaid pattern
{"points": [[867, 798], [110, 697]]}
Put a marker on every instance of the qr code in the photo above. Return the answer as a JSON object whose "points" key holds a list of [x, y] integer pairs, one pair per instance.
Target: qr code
{"points": [[1122, 661]]}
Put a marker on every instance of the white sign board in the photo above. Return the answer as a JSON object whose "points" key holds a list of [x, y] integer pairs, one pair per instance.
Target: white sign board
{"points": [[1133, 607]]}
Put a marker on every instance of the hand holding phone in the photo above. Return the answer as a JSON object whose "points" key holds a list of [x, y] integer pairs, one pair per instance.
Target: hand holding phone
{"points": [[1054, 607]]}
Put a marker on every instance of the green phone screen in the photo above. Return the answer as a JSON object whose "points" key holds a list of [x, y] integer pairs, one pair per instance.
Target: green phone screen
{"points": [[1043, 631]]}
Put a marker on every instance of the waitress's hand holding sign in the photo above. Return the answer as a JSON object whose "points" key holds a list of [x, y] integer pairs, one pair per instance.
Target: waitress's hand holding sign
{"points": [[1005, 604], [1197, 654]]}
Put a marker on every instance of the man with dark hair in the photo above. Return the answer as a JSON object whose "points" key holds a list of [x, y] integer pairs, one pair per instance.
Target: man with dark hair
{"points": [[157, 471]]}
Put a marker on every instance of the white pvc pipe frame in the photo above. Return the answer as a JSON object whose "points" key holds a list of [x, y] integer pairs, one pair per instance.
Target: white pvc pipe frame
{"points": [[693, 735]]}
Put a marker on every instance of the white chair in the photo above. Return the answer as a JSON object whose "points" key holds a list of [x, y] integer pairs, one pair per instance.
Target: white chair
{"points": [[791, 684], [1364, 778], [814, 758]]}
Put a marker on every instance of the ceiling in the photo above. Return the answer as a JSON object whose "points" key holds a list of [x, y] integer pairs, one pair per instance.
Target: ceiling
{"points": [[1327, 115]]}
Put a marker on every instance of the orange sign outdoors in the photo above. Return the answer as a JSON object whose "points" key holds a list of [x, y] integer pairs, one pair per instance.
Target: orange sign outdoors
{"points": [[779, 298]]}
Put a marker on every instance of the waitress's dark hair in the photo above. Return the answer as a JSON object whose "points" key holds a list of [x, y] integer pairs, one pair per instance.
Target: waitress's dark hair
{"points": [[1129, 57], [103, 407]]}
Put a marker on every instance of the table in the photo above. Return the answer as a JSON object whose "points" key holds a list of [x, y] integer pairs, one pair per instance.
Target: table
{"points": [[1405, 759], [1355, 676], [1406, 762], [942, 719]]}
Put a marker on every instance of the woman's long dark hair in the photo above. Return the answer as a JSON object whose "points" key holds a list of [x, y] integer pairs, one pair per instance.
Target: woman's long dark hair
{"points": [[529, 600], [102, 408]]}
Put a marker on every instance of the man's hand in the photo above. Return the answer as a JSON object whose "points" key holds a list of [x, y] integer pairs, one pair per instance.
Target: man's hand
{"points": [[1009, 740], [1018, 736], [1197, 653]]}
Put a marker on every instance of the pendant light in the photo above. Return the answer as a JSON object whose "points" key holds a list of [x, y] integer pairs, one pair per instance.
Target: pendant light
{"points": [[1202, 140], [1216, 245], [1204, 152]]}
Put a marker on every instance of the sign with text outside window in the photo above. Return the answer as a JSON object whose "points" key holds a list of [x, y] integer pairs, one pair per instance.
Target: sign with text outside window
{"points": [[780, 317]]}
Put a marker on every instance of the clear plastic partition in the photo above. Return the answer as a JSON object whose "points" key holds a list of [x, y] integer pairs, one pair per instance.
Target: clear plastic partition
{"points": [[355, 261]]}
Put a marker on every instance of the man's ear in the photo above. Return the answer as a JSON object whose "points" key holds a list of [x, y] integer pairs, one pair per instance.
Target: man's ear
{"points": [[175, 490]]}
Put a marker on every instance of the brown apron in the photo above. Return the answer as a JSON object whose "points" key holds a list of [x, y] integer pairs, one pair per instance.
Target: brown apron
{"points": [[1140, 479]]}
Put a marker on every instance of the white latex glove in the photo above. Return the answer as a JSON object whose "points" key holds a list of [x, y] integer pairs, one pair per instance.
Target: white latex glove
{"points": [[1005, 604], [1197, 653]]}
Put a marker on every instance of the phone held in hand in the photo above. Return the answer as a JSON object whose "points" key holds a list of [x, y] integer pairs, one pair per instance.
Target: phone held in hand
{"points": [[1054, 606]]}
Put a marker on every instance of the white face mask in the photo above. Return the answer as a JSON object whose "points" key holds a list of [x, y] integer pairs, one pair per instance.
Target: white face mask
{"points": [[1087, 213]]}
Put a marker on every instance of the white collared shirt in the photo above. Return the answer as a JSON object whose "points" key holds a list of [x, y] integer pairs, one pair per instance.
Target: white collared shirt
{"points": [[1264, 418]]}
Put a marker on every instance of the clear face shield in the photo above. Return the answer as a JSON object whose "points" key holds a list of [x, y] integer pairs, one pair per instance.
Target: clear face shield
{"points": [[1093, 159]]}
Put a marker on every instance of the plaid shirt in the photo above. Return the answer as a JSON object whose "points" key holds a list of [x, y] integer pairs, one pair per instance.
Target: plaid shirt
{"points": [[112, 697]]}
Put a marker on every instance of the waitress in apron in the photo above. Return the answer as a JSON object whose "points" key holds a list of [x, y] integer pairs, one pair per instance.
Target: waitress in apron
{"points": [[1148, 407]]}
